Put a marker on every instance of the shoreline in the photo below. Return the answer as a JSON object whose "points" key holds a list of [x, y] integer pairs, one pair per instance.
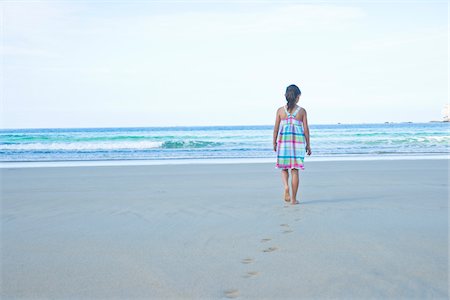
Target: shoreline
{"points": [[208, 161]]}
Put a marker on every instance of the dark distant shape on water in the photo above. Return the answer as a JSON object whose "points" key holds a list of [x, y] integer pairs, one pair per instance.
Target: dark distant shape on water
{"points": [[217, 142]]}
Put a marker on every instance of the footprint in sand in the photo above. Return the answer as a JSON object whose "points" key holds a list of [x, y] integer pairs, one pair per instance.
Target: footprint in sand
{"points": [[270, 249], [284, 225], [265, 240], [288, 231], [231, 293], [247, 260], [250, 274]]}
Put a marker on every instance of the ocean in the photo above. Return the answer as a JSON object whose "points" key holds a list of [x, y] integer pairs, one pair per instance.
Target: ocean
{"points": [[218, 142]]}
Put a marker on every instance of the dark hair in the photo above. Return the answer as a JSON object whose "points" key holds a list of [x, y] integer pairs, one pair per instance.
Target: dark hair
{"points": [[292, 92]]}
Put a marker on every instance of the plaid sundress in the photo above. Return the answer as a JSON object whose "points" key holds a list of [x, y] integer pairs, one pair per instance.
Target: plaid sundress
{"points": [[291, 143]]}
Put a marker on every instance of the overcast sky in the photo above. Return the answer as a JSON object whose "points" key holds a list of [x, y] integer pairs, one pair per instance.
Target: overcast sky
{"points": [[168, 63]]}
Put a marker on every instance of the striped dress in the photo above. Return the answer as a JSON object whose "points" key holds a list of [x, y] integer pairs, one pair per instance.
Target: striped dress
{"points": [[291, 143]]}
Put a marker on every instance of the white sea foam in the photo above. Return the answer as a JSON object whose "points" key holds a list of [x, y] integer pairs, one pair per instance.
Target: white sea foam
{"points": [[83, 146], [38, 164], [438, 138]]}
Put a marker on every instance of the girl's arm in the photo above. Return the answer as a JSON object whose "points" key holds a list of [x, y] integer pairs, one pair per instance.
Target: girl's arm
{"points": [[275, 131], [306, 130]]}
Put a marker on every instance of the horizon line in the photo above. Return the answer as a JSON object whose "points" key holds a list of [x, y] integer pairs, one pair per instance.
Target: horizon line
{"points": [[186, 126]]}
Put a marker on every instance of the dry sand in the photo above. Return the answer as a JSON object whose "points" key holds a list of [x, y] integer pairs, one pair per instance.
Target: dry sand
{"points": [[363, 230]]}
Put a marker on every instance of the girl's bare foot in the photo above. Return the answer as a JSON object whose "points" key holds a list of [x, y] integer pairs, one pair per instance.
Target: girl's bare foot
{"points": [[295, 202], [287, 196]]}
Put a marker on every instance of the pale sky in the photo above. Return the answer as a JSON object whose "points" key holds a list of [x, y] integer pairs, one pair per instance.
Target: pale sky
{"points": [[187, 63]]}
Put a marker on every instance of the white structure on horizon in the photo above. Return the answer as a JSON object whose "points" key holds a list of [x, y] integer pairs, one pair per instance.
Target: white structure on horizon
{"points": [[446, 113]]}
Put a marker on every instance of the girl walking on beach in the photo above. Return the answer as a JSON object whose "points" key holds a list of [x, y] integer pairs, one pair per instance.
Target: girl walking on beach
{"points": [[291, 141]]}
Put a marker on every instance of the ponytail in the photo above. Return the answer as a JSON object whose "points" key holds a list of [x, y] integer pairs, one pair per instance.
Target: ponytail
{"points": [[292, 92]]}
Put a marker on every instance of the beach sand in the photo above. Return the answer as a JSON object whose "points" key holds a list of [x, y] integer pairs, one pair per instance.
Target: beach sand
{"points": [[363, 230]]}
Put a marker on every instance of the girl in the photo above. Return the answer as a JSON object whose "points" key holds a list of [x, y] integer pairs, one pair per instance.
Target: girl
{"points": [[293, 140]]}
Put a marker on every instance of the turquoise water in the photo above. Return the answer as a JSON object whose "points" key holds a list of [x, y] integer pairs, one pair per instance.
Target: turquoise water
{"points": [[217, 142]]}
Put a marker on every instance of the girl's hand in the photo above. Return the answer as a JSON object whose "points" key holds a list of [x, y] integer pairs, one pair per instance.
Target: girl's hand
{"points": [[275, 147], [308, 150]]}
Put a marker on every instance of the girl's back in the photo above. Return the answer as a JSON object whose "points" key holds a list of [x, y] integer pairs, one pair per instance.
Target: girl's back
{"points": [[284, 113]]}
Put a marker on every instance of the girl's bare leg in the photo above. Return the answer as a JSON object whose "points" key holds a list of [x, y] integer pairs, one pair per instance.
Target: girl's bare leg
{"points": [[294, 185], [285, 177]]}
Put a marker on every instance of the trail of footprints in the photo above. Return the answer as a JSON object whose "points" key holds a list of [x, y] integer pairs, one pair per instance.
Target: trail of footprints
{"points": [[234, 293]]}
